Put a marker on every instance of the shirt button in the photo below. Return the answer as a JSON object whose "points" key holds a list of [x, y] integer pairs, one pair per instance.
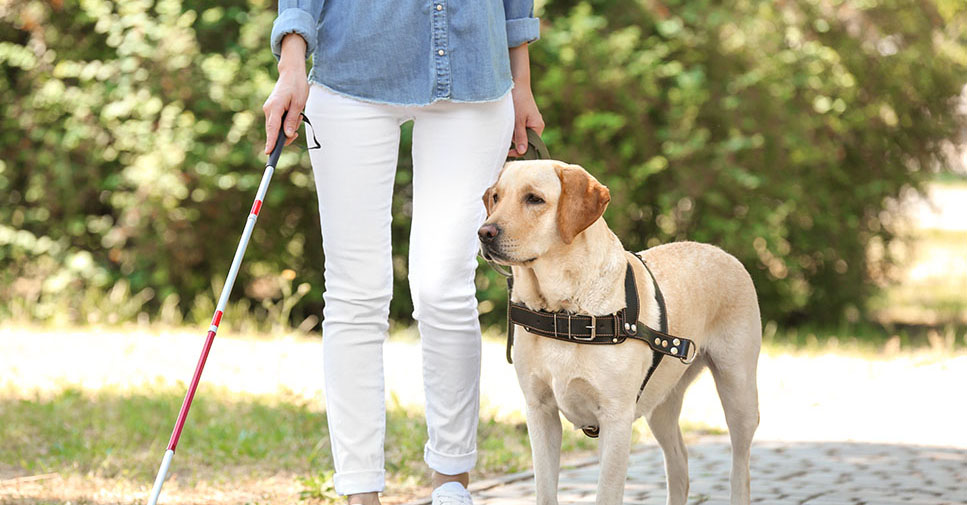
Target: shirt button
{"points": [[441, 52], [439, 7]]}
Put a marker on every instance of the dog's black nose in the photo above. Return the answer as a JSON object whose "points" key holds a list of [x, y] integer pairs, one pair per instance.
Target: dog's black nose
{"points": [[488, 233]]}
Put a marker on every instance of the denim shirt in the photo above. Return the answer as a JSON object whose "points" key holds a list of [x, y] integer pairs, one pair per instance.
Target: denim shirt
{"points": [[409, 52]]}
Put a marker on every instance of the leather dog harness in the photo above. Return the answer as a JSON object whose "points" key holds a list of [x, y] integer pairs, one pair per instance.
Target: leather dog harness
{"points": [[610, 329]]}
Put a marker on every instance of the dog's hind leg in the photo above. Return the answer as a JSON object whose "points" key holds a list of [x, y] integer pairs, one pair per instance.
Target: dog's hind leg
{"points": [[544, 427], [663, 421], [735, 380]]}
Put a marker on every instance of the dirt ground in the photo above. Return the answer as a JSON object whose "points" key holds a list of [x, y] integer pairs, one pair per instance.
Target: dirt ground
{"points": [[829, 395]]}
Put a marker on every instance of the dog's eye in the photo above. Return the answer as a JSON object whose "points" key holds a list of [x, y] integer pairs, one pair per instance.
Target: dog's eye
{"points": [[495, 197], [534, 199]]}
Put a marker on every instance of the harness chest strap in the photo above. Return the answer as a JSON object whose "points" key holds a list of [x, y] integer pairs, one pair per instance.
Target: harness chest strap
{"points": [[609, 329]]}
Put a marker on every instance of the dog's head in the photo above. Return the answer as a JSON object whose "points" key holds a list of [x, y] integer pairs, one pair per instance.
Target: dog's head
{"points": [[536, 206]]}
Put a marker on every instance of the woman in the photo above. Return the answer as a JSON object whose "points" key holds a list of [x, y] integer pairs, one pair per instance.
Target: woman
{"points": [[459, 69]]}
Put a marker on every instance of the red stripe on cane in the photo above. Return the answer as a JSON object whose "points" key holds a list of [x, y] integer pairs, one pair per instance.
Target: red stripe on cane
{"points": [[190, 394], [256, 207], [217, 319]]}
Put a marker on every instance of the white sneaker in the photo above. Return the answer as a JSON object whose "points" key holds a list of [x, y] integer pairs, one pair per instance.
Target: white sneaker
{"points": [[451, 493]]}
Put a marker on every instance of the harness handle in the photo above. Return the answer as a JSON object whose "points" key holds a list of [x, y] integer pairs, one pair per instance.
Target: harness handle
{"points": [[536, 150]]}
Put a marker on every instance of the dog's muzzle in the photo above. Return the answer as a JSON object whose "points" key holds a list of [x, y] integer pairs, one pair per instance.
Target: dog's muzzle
{"points": [[488, 235]]}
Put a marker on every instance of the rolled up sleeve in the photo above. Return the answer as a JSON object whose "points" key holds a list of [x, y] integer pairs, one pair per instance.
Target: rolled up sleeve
{"points": [[522, 26], [297, 16]]}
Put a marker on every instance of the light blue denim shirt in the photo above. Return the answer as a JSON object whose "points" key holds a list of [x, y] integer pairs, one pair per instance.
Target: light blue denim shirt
{"points": [[409, 52]]}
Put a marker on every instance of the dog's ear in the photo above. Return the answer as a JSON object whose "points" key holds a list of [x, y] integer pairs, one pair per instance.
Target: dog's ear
{"points": [[582, 202], [488, 199]]}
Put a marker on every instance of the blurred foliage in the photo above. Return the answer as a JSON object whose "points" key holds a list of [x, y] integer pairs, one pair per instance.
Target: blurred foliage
{"points": [[776, 130], [130, 148], [131, 139]]}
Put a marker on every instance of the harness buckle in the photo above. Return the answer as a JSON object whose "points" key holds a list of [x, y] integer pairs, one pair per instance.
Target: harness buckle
{"points": [[593, 327]]}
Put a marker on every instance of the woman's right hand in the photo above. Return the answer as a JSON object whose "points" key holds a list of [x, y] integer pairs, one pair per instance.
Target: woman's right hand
{"points": [[290, 92]]}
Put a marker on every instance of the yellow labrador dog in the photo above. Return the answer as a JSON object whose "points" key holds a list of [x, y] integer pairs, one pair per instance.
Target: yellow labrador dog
{"points": [[544, 221]]}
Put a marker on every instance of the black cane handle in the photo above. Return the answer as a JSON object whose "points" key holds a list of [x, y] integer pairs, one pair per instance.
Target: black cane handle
{"points": [[279, 144]]}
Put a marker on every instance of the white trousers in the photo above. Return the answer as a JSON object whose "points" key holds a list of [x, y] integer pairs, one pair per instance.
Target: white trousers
{"points": [[458, 149]]}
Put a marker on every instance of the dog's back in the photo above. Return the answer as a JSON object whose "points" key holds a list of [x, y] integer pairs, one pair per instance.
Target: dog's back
{"points": [[702, 280]]}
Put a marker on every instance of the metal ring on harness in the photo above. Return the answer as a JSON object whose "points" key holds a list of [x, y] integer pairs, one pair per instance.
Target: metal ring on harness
{"points": [[694, 351]]}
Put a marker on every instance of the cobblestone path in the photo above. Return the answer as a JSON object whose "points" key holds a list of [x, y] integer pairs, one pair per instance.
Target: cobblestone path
{"points": [[783, 473]]}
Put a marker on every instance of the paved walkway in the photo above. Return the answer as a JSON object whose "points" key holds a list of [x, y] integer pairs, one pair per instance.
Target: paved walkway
{"points": [[783, 473]]}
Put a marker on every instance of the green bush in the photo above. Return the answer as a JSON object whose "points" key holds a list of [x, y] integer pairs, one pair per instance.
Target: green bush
{"points": [[776, 130], [131, 139], [132, 136]]}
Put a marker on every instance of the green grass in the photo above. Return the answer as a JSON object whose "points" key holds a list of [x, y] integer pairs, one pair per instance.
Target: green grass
{"points": [[110, 435], [950, 178], [119, 437], [865, 338]]}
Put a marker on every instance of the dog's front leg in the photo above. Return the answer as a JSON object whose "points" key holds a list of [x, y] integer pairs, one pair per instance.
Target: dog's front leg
{"points": [[615, 442], [544, 427]]}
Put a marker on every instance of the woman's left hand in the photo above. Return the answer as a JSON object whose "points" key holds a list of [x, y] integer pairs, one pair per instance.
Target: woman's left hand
{"points": [[526, 114]]}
